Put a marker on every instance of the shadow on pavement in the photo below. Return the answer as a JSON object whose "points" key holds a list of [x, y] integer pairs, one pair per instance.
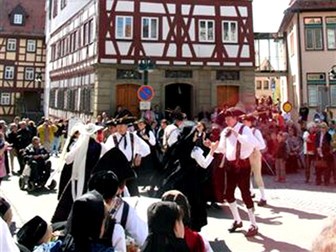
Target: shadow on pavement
{"points": [[271, 244], [300, 214], [219, 246]]}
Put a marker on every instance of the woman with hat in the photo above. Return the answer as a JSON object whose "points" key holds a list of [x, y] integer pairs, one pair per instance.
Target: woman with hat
{"points": [[84, 155], [149, 164]]}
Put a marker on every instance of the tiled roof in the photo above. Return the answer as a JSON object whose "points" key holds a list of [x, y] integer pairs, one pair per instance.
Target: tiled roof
{"points": [[312, 4]]}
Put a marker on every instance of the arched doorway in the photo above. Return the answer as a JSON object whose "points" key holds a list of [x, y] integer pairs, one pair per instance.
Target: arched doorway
{"points": [[179, 94]]}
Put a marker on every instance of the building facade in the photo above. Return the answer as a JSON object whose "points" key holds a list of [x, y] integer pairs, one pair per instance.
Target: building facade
{"points": [[22, 58], [200, 55], [309, 27]]}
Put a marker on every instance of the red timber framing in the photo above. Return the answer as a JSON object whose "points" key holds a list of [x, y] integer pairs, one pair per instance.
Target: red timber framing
{"points": [[180, 23]]}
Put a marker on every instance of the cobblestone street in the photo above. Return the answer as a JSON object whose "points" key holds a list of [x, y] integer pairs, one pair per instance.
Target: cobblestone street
{"points": [[294, 215]]}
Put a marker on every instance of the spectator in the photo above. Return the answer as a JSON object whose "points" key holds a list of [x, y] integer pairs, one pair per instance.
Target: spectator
{"points": [[326, 240], [7, 242], [166, 229], [194, 240]]}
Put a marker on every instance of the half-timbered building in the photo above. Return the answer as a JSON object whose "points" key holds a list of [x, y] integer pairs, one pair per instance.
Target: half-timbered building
{"points": [[98, 54], [22, 58]]}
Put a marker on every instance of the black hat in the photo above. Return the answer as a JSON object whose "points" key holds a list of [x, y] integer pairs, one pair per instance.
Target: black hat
{"points": [[233, 111], [248, 117], [32, 232], [111, 123], [104, 182], [114, 160], [125, 120], [177, 115], [4, 206], [88, 213], [141, 120]]}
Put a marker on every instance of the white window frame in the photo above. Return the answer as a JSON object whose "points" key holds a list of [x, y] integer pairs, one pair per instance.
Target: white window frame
{"points": [[205, 34], [123, 34], [9, 73], [11, 44], [29, 73], [332, 89], [313, 27], [232, 36], [18, 18], [31, 45], [5, 99], [151, 36], [331, 33]]}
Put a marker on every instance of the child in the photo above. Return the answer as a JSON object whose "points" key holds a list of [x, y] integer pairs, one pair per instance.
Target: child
{"points": [[36, 235], [280, 157]]}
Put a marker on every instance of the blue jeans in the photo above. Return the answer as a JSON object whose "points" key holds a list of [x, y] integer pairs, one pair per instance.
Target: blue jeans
{"points": [[55, 145]]}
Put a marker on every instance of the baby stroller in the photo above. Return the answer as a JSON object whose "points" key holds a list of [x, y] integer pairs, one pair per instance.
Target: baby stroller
{"points": [[35, 175]]}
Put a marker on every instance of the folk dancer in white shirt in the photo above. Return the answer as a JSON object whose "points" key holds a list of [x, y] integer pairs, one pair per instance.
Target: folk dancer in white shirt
{"points": [[256, 159], [132, 146], [237, 144]]}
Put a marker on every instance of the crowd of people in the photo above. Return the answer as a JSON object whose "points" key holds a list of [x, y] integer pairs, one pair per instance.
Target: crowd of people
{"points": [[190, 164]]}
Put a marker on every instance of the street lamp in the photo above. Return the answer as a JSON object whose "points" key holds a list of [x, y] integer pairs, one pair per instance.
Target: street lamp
{"points": [[332, 72], [146, 65], [38, 77]]}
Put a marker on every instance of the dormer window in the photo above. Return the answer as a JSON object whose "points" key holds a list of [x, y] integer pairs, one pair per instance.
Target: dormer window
{"points": [[18, 19], [18, 16]]}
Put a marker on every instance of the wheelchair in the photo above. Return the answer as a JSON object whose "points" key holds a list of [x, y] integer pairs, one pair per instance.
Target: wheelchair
{"points": [[35, 175]]}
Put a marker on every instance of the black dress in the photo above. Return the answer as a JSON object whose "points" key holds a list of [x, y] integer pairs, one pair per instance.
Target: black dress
{"points": [[183, 174], [64, 205]]}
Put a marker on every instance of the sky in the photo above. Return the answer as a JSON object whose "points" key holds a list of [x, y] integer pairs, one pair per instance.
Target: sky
{"points": [[268, 14]]}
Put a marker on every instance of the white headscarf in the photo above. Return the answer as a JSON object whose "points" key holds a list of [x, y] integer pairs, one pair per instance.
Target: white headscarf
{"points": [[7, 242], [80, 151]]}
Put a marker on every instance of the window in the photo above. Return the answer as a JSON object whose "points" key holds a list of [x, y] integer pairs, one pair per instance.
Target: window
{"points": [[63, 4], [230, 32], [331, 32], [88, 32], [31, 45], [291, 44], [55, 8], [128, 74], [333, 95], [9, 73], [206, 30], [5, 99], [314, 82], [266, 85], [258, 84], [29, 73], [313, 33], [18, 19], [227, 75], [178, 74], [11, 44], [149, 28], [124, 28]]}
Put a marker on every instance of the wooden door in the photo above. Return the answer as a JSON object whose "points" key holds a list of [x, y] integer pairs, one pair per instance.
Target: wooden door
{"points": [[127, 97], [227, 95]]}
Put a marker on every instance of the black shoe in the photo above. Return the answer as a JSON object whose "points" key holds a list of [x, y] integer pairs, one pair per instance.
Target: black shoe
{"points": [[262, 202], [234, 226], [215, 206]]}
